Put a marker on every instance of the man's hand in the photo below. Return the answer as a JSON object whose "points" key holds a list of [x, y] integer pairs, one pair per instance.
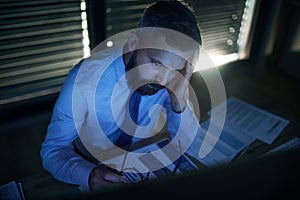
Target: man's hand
{"points": [[101, 177], [178, 88]]}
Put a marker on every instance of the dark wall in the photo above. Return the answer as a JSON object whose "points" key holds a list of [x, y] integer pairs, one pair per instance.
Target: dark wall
{"points": [[275, 43], [286, 51], [23, 126]]}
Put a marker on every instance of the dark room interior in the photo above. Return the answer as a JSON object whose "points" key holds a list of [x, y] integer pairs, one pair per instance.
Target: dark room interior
{"points": [[265, 73]]}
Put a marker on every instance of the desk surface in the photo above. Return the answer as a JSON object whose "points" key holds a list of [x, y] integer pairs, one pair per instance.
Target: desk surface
{"points": [[270, 91]]}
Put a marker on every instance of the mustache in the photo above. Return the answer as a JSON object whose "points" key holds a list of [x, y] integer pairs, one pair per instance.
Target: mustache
{"points": [[155, 86], [149, 89]]}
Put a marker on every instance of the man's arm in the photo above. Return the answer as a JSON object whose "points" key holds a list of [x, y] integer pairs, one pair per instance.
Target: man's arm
{"points": [[58, 154], [183, 123], [178, 88], [184, 129], [57, 151]]}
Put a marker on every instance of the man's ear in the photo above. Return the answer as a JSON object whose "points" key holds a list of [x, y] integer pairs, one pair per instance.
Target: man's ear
{"points": [[133, 41]]}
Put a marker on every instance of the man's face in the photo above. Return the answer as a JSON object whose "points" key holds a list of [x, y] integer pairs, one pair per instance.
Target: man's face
{"points": [[154, 69]]}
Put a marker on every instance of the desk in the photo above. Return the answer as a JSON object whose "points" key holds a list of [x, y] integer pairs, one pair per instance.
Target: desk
{"points": [[44, 186], [271, 91]]}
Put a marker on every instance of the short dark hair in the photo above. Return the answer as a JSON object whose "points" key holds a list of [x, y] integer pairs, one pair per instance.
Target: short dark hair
{"points": [[172, 14]]}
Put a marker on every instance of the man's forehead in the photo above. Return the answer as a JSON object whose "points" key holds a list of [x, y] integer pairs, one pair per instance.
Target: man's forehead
{"points": [[177, 44], [160, 42], [163, 56]]}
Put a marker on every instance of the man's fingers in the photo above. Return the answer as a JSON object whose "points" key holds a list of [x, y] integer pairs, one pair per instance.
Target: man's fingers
{"points": [[110, 184], [101, 184], [102, 177], [113, 177], [188, 70], [109, 175]]}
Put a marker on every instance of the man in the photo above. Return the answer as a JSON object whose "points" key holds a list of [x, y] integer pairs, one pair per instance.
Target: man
{"points": [[154, 66]]}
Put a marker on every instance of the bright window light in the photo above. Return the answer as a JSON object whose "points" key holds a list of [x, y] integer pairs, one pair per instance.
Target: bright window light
{"points": [[83, 5], [109, 43], [215, 59], [219, 60], [85, 33]]}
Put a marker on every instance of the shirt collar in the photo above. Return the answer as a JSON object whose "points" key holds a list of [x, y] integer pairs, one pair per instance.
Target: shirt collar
{"points": [[119, 61]]}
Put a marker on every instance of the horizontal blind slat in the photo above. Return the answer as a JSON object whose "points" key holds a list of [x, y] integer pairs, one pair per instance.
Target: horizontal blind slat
{"points": [[34, 77], [34, 23], [37, 68], [39, 40], [20, 12], [21, 3], [40, 49], [35, 59], [30, 32]]}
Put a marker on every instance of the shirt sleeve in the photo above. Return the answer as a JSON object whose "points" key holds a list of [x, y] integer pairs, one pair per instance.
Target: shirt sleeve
{"points": [[186, 127], [57, 151]]}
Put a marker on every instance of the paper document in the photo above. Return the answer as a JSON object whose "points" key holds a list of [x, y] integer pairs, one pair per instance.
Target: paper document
{"points": [[180, 165], [230, 144], [291, 144], [251, 120], [12, 191]]}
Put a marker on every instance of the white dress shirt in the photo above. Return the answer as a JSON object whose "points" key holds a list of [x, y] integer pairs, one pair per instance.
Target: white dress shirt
{"points": [[92, 102]]}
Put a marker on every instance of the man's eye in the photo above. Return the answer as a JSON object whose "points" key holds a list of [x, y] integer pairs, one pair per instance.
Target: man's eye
{"points": [[157, 65]]}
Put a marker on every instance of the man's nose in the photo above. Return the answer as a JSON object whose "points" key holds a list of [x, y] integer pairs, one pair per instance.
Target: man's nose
{"points": [[163, 76]]}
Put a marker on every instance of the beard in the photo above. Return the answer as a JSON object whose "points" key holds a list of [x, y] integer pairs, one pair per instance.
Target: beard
{"points": [[146, 89]]}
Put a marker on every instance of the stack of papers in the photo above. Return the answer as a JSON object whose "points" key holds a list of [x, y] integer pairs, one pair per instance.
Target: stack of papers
{"points": [[253, 121], [11, 191], [291, 144], [230, 144], [243, 124]]}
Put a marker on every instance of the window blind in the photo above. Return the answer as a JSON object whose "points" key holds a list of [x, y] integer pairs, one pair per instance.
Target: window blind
{"points": [[39, 42], [219, 21]]}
